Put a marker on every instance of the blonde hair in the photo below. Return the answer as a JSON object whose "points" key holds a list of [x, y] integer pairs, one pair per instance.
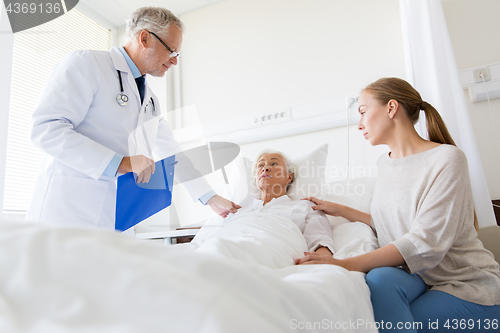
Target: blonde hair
{"points": [[154, 19], [409, 98]]}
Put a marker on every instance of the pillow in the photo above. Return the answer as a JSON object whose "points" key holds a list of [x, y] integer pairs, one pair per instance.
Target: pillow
{"points": [[356, 193], [309, 177], [310, 171]]}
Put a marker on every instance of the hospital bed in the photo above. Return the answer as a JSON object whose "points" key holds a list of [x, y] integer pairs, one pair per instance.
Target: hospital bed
{"points": [[73, 279]]}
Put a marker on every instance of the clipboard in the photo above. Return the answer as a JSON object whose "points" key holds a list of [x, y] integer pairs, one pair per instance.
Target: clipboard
{"points": [[136, 202]]}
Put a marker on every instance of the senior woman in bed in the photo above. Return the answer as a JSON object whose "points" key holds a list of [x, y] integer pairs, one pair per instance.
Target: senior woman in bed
{"points": [[273, 176], [272, 231]]}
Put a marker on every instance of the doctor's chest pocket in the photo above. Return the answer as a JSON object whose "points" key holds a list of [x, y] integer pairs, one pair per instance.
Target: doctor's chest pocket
{"points": [[74, 201]]}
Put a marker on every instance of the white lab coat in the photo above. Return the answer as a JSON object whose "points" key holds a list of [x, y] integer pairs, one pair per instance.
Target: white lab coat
{"points": [[80, 126]]}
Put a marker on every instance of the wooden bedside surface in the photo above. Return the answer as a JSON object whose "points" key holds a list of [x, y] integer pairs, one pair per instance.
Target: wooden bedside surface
{"points": [[496, 209], [186, 239], [169, 235]]}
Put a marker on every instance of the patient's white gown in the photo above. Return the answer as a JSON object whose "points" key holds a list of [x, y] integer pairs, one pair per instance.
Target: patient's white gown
{"points": [[273, 235]]}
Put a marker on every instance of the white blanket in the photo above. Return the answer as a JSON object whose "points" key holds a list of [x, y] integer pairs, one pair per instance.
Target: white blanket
{"points": [[257, 238], [57, 279]]}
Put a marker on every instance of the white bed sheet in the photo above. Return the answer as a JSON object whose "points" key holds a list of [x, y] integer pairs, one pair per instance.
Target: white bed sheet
{"points": [[57, 279]]}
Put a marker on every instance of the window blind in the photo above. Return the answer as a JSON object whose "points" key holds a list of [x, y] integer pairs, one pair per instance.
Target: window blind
{"points": [[36, 52]]}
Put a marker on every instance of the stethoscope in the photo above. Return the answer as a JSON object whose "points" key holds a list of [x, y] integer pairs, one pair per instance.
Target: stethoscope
{"points": [[122, 99]]}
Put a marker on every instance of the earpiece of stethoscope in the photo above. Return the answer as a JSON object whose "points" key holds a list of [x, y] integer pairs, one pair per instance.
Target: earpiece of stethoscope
{"points": [[122, 99]]}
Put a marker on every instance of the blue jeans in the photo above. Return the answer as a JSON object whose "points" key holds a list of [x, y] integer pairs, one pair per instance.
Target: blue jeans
{"points": [[402, 303]]}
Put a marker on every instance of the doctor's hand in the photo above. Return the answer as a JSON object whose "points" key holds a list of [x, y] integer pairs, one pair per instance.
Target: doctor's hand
{"points": [[222, 206], [142, 166]]}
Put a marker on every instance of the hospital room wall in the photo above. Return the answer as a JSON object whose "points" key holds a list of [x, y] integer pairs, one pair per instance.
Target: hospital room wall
{"points": [[475, 35], [241, 58]]}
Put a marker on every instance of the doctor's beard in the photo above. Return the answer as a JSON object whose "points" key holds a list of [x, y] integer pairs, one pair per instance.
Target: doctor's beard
{"points": [[151, 64]]}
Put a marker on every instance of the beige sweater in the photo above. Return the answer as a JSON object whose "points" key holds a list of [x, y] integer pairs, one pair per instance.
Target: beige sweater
{"points": [[423, 205]]}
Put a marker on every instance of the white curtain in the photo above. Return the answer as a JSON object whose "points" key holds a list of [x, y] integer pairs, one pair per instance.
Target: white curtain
{"points": [[431, 68]]}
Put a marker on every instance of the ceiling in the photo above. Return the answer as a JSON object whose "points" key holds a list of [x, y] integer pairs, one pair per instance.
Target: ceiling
{"points": [[116, 11]]}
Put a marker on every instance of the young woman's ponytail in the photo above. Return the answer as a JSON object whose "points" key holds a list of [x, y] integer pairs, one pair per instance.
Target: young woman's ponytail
{"points": [[435, 125]]}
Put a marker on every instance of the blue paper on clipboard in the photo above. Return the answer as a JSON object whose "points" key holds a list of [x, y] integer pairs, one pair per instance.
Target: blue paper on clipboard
{"points": [[136, 202]]}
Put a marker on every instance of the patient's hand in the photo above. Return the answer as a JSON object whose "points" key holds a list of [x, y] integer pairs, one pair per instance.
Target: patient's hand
{"points": [[222, 206], [329, 208]]}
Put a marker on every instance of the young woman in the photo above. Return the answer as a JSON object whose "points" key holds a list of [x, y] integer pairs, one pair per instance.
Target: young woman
{"points": [[431, 273]]}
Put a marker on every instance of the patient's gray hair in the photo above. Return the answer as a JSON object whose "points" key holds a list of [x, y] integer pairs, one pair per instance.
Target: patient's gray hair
{"points": [[290, 168], [154, 19]]}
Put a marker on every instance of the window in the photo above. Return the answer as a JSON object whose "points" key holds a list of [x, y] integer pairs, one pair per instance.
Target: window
{"points": [[36, 52]]}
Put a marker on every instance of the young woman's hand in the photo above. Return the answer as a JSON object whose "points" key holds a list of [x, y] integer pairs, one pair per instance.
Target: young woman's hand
{"points": [[311, 258], [329, 208], [334, 209], [386, 256]]}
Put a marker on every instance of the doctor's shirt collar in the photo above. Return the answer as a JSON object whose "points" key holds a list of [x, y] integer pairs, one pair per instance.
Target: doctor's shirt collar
{"points": [[133, 67]]}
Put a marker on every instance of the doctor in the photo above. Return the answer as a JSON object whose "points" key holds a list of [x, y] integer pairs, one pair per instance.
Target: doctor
{"points": [[87, 121]]}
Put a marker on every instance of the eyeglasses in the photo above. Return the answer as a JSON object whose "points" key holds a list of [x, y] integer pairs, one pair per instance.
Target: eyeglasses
{"points": [[172, 53]]}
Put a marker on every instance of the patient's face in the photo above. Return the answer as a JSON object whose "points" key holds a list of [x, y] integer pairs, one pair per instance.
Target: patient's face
{"points": [[271, 174], [374, 121]]}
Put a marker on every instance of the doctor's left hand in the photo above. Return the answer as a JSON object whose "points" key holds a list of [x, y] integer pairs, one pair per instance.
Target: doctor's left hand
{"points": [[142, 166], [222, 206]]}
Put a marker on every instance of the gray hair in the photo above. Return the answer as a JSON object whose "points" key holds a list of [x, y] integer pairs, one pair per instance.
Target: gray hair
{"points": [[290, 168], [154, 19]]}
